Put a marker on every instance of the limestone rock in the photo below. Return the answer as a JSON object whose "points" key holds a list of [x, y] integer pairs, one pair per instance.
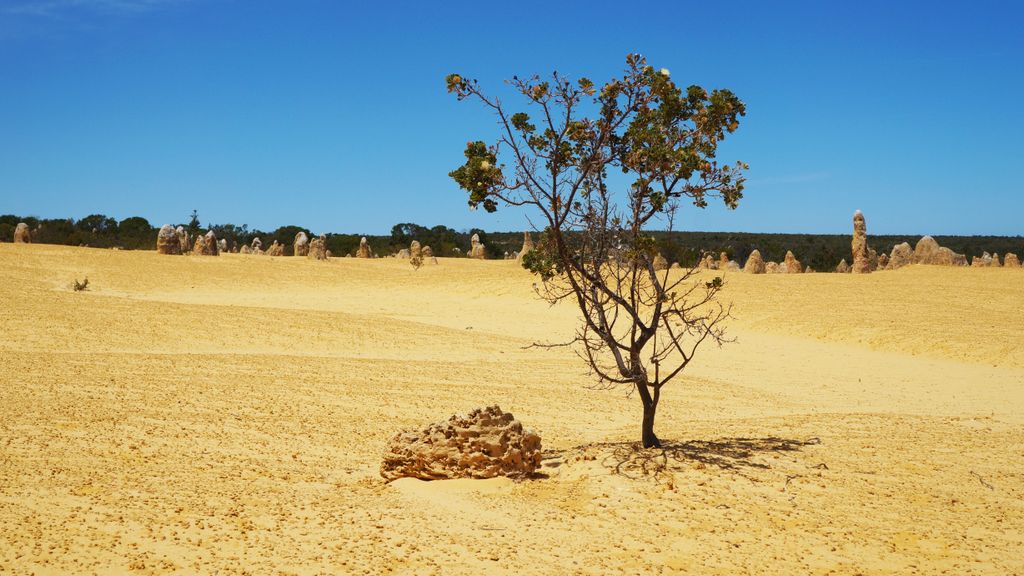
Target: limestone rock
{"points": [[883, 261], [427, 252], [872, 259], [476, 248], [245, 249], [414, 249], [983, 261], [708, 263], [432, 260], [318, 248], [21, 234], [167, 241], [483, 444], [301, 244], [276, 249], [183, 240], [364, 249], [675, 266], [1011, 260], [772, 268], [843, 267], [995, 260], [723, 261], [403, 254], [206, 245], [793, 265], [527, 245], [926, 251], [199, 246], [755, 264], [222, 245], [257, 245], [660, 263], [901, 256], [861, 255], [732, 265]]}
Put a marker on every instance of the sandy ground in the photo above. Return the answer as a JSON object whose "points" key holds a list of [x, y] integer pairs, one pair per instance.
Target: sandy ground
{"points": [[227, 415]]}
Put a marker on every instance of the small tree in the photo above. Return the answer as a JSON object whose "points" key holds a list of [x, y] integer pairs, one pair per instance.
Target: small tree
{"points": [[640, 326]]}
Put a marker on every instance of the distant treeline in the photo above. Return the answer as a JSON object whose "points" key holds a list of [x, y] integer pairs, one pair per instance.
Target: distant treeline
{"points": [[820, 251]]}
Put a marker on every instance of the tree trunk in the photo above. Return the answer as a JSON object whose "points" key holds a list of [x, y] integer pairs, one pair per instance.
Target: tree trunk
{"points": [[647, 428]]}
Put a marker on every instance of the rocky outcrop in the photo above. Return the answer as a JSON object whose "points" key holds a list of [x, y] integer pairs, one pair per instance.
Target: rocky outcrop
{"points": [[183, 240], [301, 244], [1011, 260], [708, 263], [843, 267], [415, 251], [723, 261], [483, 444], [983, 261], [206, 245], [660, 263], [926, 251], [222, 245], [883, 261], [22, 234], [995, 260], [476, 248], [318, 248], [755, 264], [732, 266], [861, 251], [364, 250], [245, 249], [199, 246], [427, 252], [276, 249], [167, 241], [403, 254], [793, 265], [527, 245], [901, 256], [774, 268], [257, 245]]}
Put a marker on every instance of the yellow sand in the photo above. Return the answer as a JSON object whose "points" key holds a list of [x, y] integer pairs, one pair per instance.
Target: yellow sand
{"points": [[227, 415]]}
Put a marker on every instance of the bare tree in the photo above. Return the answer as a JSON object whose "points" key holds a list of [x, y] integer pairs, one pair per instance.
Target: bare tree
{"points": [[641, 326]]}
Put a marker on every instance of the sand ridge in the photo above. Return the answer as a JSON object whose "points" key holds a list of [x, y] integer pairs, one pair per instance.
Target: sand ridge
{"points": [[192, 415]]}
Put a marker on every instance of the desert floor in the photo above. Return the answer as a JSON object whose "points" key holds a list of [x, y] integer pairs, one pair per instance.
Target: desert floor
{"points": [[228, 415]]}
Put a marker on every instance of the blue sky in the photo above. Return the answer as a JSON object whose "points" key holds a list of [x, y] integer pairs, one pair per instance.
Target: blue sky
{"points": [[334, 115]]}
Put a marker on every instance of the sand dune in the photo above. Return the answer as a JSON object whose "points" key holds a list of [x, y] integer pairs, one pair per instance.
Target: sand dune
{"points": [[227, 415]]}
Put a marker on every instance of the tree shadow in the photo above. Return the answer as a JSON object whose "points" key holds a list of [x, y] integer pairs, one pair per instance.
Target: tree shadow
{"points": [[631, 460]]}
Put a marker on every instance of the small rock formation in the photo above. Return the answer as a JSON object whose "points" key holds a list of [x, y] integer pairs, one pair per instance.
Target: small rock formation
{"points": [[527, 245], [414, 249], [1011, 260], [772, 268], [792, 265], [732, 265], [660, 263], [301, 244], [723, 261], [883, 261], [222, 245], [403, 254], [364, 249], [433, 260], [210, 247], [427, 252], [318, 248], [675, 266], [476, 248], [995, 260], [167, 241], [708, 263], [861, 254], [901, 256], [983, 261], [183, 240], [843, 267], [257, 245], [245, 249], [755, 264], [276, 249], [483, 444], [199, 246], [926, 251], [22, 235]]}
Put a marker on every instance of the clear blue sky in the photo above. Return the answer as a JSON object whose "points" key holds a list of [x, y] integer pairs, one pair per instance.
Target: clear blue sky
{"points": [[333, 115]]}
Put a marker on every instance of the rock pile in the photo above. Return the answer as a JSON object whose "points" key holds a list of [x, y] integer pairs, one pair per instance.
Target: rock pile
{"points": [[318, 248], [167, 241], [301, 244], [22, 234], [755, 264], [476, 248], [364, 249], [483, 444]]}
